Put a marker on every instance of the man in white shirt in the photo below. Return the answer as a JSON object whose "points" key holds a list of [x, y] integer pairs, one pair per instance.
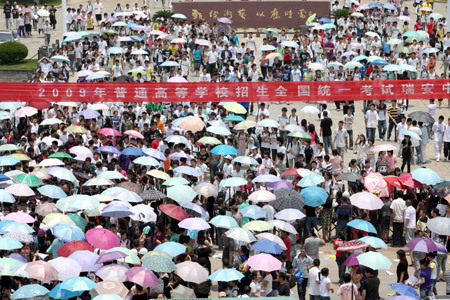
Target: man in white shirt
{"points": [[371, 122], [431, 108], [398, 208], [98, 9], [212, 58], [313, 277], [400, 135], [416, 143], [447, 141], [410, 222], [340, 140], [437, 134]]}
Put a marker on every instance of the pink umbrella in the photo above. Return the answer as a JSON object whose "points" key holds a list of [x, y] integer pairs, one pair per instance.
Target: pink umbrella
{"points": [[385, 147], [125, 39], [365, 200], [203, 43], [177, 79], [20, 190], [142, 276], [109, 287], [109, 131], [81, 151], [42, 271], [264, 262], [194, 224], [375, 183], [20, 217], [113, 272], [192, 123], [102, 238], [178, 41], [156, 32], [134, 133]]}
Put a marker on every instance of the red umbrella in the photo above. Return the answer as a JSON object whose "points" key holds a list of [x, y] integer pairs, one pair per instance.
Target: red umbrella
{"points": [[102, 238], [174, 211], [352, 245], [407, 180], [289, 172], [67, 249], [375, 183], [393, 181]]}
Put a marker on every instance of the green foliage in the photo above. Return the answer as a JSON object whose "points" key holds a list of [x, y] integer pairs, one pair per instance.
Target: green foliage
{"points": [[13, 52], [162, 13], [339, 13]]}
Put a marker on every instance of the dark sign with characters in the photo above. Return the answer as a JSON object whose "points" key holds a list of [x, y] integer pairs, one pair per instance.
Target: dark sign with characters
{"points": [[250, 14]]}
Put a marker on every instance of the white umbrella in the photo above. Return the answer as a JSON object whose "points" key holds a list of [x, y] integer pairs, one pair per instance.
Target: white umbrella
{"points": [[98, 181], [182, 292], [366, 200], [262, 196], [26, 111], [49, 140], [139, 52], [273, 238], [143, 213], [240, 234], [51, 121], [317, 66], [284, 226], [372, 34], [206, 189], [50, 162], [192, 272], [290, 214], [98, 106], [194, 224], [66, 267], [113, 272], [310, 110], [20, 190], [439, 225]]}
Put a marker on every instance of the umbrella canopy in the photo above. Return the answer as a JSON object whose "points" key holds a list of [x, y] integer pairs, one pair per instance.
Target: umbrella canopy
{"points": [[158, 263], [53, 219], [362, 225], [67, 232], [352, 245], [283, 184], [441, 188], [422, 245], [422, 116], [18, 227], [266, 178], [28, 179], [374, 242], [314, 196], [283, 226], [52, 191], [7, 243], [142, 276], [273, 238], [41, 270], [6, 197], [143, 213], [174, 211], [86, 259], [192, 123], [374, 183], [290, 214], [113, 272], [109, 287], [181, 193], [206, 189], [194, 224], [425, 176], [77, 284], [219, 130], [233, 182], [224, 222], [374, 260], [226, 275], [258, 226], [67, 249], [66, 267], [351, 260], [102, 238], [404, 290], [110, 256], [192, 272], [19, 217], [29, 291], [224, 150], [262, 196], [264, 262], [365, 200], [172, 248], [266, 246], [8, 266], [439, 225], [240, 234], [311, 180], [253, 212]]}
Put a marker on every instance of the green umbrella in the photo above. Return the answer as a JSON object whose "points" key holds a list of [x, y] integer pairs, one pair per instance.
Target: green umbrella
{"points": [[391, 68], [175, 181], [233, 182], [234, 118], [271, 30], [62, 173], [132, 257], [110, 31], [7, 243], [181, 193], [158, 263], [8, 266], [78, 220], [209, 140], [9, 147], [412, 39], [28, 179], [405, 50], [61, 155], [300, 134]]}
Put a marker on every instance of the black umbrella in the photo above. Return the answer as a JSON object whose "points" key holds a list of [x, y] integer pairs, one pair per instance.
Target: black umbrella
{"points": [[125, 78], [421, 116], [151, 195], [288, 198], [441, 188]]}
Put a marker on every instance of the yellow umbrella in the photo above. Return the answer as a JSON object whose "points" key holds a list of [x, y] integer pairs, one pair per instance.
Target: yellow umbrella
{"points": [[158, 174], [235, 107], [55, 218], [134, 72], [258, 226], [21, 156], [310, 19], [75, 129]]}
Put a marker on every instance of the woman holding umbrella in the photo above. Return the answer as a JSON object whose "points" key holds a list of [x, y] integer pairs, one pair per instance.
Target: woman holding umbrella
{"points": [[406, 153]]}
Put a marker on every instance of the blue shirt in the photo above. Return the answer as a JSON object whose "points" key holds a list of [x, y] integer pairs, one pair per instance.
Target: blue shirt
{"points": [[197, 54], [386, 47]]}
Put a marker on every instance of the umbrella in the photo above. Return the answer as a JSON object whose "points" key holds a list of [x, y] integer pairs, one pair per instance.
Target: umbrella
{"points": [[253, 212], [311, 180], [234, 118], [194, 224], [62, 173], [120, 193], [113, 272], [411, 134], [170, 64], [116, 211], [267, 246], [244, 125], [224, 20], [289, 172], [374, 260], [108, 297], [182, 292], [109, 287], [235, 107], [374, 242], [194, 207], [349, 176], [8, 266], [89, 114], [20, 236], [384, 147], [352, 245], [288, 198], [192, 123], [266, 178], [172, 248], [178, 16], [219, 130], [174, 211], [41, 270], [67, 232], [133, 151], [422, 244], [58, 293], [50, 162], [142, 276], [77, 284], [209, 140], [7, 243], [6, 197], [224, 222], [111, 175], [421, 116], [9, 147], [258, 226], [181, 193], [143, 213], [52, 219], [311, 110], [269, 123], [283, 184], [224, 150], [18, 227], [109, 131], [290, 214], [407, 180], [314, 196], [155, 153], [29, 291], [362, 225], [365, 200], [132, 257], [109, 149], [425, 176], [20, 217], [206, 189], [439, 225], [351, 260], [8, 160], [66, 267], [240, 234], [86, 259], [283, 226], [98, 181], [132, 187], [188, 171], [67, 249], [441, 188], [233, 182], [150, 195], [226, 275], [404, 290], [110, 256], [264, 262], [134, 133], [158, 263], [262, 196], [192, 272]]}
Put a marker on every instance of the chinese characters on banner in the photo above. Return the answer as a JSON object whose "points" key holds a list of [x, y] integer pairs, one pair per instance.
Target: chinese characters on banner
{"points": [[219, 92], [254, 14]]}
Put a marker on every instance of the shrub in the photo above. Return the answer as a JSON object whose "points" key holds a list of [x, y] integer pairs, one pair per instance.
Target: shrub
{"points": [[340, 12], [13, 52], [162, 13]]}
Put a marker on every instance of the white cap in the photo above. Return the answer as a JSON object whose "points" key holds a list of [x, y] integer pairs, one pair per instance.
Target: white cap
{"points": [[143, 251], [346, 194]]}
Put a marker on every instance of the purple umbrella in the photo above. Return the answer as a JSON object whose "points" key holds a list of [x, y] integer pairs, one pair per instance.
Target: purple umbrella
{"points": [[112, 19], [351, 260], [283, 184], [440, 247], [87, 260], [116, 211], [109, 149], [142, 276], [110, 256], [26, 10], [89, 114], [18, 257], [224, 20], [422, 245]]}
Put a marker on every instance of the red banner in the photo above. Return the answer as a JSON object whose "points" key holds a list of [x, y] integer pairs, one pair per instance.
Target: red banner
{"points": [[218, 92]]}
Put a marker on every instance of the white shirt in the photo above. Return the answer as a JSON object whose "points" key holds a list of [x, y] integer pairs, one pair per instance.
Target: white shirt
{"points": [[415, 142], [431, 109], [438, 129], [404, 126], [340, 136], [324, 292], [98, 7], [372, 118], [447, 133], [313, 287], [410, 214], [270, 212], [212, 57], [399, 207]]}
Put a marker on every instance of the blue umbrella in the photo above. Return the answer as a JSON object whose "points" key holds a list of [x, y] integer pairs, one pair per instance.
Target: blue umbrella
{"points": [[390, 6], [115, 50], [170, 63], [58, 293], [89, 114], [172, 248], [67, 232], [6, 197], [253, 212], [29, 291], [404, 289], [133, 151], [311, 180], [362, 225], [411, 134], [4, 178], [18, 227], [224, 150], [9, 160], [146, 161], [10, 105], [178, 16], [379, 62], [426, 176], [226, 275], [224, 222], [136, 38], [233, 118], [314, 196], [109, 149], [325, 20], [77, 284], [52, 191], [374, 5], [131, 24], [3, 224], [267, 247], [374, 242]]}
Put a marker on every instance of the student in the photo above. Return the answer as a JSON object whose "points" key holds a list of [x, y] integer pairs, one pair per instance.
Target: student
{"points": [[325, 284]]}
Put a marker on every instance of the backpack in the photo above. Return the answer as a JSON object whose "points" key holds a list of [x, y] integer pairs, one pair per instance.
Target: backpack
{"points": [[298, 275]]}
